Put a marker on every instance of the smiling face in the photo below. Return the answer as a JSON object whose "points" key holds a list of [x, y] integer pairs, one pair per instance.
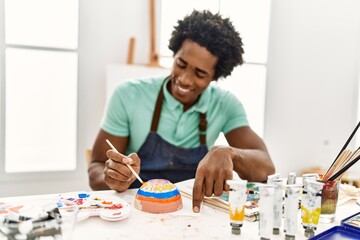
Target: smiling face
{"points": [[192, 71]]}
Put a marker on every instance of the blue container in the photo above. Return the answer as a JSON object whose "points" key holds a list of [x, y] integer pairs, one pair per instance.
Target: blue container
{"points": [[349, 230]]}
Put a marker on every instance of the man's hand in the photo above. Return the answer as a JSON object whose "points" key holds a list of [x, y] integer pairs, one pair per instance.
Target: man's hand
{"points": [[211, 175], [117, 175]]}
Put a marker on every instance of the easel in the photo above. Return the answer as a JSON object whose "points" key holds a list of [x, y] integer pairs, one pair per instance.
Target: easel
{"points": [[154, 56]]}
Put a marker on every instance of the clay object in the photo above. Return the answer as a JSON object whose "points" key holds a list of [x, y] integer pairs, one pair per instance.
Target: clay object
{"points": [[158, 196]]}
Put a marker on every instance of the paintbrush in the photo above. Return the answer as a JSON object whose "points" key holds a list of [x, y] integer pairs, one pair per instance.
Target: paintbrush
{"points": [[344, 168], [131, 169], [346, 143], [344, 157], [355, 155]]}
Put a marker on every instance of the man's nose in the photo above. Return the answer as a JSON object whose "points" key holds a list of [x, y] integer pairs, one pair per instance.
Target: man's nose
{"points": [[186, 78]]}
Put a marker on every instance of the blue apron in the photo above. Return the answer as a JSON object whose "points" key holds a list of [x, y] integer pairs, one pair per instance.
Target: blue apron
{"points": [[161, 159]]}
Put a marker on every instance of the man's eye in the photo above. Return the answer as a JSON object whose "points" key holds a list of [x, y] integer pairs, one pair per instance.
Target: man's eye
{"points": [[200, 75], [181, 65]]}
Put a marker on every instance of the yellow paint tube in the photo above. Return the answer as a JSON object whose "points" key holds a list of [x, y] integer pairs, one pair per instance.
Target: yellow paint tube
{"points": [[311, 206], [237, 199]]}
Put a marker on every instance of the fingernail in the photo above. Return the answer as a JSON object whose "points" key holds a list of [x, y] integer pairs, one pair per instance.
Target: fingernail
{"points": [[196, 209], [125, 160]]}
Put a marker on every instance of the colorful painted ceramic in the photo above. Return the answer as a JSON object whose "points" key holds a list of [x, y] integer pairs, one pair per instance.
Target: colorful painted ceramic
{"points": [[158, 196]]}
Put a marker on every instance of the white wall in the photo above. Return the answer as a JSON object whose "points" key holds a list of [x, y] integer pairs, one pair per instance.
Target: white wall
{"points": [[313, 76], [311, 91]]}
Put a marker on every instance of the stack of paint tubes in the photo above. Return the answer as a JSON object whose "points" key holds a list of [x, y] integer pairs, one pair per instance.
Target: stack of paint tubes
{"points": [[279, 202]]}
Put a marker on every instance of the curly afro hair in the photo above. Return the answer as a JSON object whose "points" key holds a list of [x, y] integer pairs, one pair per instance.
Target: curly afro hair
{"points": [[213, 32]]}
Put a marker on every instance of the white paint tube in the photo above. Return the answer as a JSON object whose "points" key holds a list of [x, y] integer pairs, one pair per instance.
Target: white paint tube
{"points": [[278, 196], [292, 195], [291, 179], [266, 210], [278, 204], [271, 178]]}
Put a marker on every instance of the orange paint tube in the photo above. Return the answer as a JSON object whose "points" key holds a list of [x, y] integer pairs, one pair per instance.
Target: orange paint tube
{"points": [[237, 199]]}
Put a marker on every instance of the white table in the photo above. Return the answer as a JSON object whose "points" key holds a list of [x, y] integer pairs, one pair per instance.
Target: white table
{"points": [[210, 223]]}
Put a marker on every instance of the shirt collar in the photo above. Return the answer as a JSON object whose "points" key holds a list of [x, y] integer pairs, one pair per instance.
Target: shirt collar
{"points": [[200, 106]]}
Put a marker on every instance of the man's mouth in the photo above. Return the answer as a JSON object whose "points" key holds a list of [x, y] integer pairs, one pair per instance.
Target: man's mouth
{"points": [[182, 90]]}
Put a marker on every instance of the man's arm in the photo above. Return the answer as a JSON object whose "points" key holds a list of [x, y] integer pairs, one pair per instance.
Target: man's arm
{"points": [[246, 154], [251, 158]]}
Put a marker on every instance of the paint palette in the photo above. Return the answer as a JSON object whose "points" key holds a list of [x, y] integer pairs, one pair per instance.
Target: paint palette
{"points": [[109, 208], [6, 208], [349, 230]]}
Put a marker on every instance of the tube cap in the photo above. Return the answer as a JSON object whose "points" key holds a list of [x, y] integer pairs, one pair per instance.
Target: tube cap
{"points": [[236, 230], [309, 233], [289, 237], [276, 231]]}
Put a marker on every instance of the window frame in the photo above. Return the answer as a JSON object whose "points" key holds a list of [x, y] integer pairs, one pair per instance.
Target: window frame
{"points": [[18, 177]]}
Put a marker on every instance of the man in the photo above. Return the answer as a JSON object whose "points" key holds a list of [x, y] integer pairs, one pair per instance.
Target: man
{"points": [[166, 128]]}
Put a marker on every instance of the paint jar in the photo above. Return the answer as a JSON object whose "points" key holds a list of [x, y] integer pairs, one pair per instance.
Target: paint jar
{"points": [[237, 199], [329, 198], [311, 206]]}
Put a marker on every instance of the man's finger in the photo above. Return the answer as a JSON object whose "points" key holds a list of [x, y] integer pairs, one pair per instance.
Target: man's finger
{"points": [[198, 194], [218, 187], [209, 187], [115, 156], [127, 160]]}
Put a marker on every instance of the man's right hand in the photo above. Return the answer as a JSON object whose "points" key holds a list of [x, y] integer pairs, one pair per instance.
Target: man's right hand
{"points": [[117, 175]]}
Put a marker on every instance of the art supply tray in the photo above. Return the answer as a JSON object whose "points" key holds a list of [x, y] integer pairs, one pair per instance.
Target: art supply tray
{"points": [[349, 229]]}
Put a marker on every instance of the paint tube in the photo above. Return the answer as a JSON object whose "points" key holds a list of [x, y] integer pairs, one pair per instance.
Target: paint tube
{"points": [[278, 204], [292, 195], [308, 176], [266, 210], [311, 206], [273, 177], [237, 199], [291, 179], [278, 195]]}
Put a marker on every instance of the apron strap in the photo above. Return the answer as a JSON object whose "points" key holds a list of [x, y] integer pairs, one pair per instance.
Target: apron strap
{"points": [[202, 128], [157, 112]]}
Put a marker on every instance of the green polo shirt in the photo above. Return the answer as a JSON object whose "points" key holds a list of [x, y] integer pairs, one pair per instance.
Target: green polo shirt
{"points": [[129, 112]]}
